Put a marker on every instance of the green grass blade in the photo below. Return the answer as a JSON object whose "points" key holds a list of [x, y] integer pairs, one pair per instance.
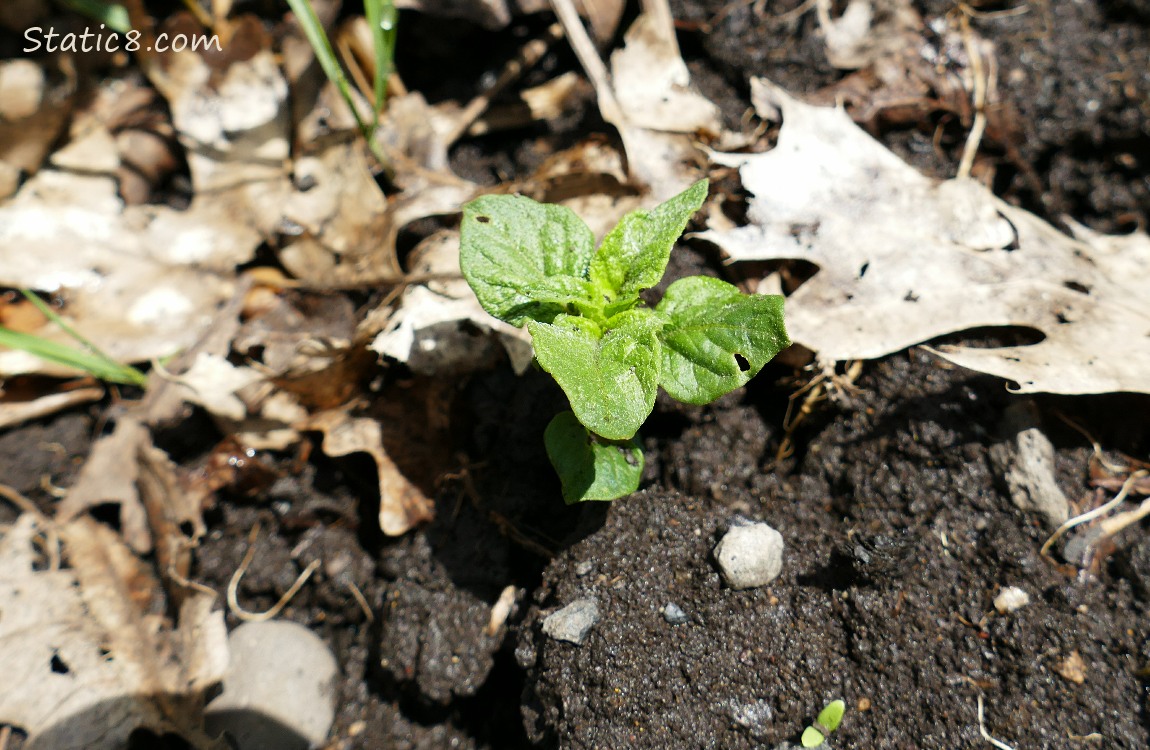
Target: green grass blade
{"points": [[97, 365], [53, 316], [381, 18], [93, 361], [319, 42]]}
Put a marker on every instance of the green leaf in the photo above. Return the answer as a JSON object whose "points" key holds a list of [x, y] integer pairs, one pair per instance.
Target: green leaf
{"points": [[634, 255], [813, 737], [831, 716], [588, 467], [717, 339], [827, 722], [95, 364], [524, 260], [610, 380]]}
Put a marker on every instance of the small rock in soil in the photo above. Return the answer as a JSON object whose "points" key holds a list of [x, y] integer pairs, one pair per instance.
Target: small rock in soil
{"points": [[674, 614], [1026, 462], [279, 690], [750, 555], [754, 717], [1010, 598], [573, 622]]}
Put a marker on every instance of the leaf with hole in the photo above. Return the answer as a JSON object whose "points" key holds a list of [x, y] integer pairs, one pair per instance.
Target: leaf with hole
{"points": [[536, 264], [717, 339]]}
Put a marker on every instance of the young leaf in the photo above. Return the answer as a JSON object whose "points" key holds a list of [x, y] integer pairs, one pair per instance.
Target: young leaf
{"points": [[717, 339], [589, 468], [610, 380], [813, 737], [826, 723], [634, 254], [524, 260]]}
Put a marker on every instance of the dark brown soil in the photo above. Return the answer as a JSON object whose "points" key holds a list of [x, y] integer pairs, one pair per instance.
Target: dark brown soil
{"points": [[909, 638]]}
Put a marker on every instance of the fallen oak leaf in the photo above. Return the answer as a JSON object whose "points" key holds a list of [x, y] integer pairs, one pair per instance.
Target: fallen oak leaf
{"points": [[904, 259]]}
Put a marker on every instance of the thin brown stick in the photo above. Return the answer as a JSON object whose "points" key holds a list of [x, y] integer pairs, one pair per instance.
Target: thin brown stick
{"points": [[981, 82], [361, 600], [589, 58]]}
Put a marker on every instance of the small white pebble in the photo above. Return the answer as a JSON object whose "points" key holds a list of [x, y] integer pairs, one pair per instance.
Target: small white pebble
{"points": [[750, 555], [1010, 598]]}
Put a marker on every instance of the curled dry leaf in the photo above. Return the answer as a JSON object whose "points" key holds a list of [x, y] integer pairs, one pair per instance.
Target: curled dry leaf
{"points": [[213, 383], [90, 661], [903, 259], [402, 505], [647, 97]]}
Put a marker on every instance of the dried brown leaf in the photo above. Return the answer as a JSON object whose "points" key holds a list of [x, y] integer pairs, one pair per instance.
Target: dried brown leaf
{"points": [[92, 663], [109, 476], [903, 259]]}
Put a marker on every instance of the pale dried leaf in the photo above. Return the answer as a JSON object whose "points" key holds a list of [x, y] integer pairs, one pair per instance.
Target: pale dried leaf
{"points": [[402, 505], [428, 330], [14, 411], [653, 85], [341, 217], [91, 664], [163, 400], [126, 286], [647, 97], [213, 382], [903, 259], [109, 476], [175, 513], [33, 112]]}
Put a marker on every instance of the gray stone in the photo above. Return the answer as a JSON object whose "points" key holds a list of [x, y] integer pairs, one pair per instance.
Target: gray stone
{"points": [[573, 622], [280, 688], [1026, 463], [750, 555], [674, 614]]}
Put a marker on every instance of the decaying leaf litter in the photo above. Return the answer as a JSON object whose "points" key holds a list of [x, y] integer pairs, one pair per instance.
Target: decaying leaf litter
{"points": [[288, 349]]}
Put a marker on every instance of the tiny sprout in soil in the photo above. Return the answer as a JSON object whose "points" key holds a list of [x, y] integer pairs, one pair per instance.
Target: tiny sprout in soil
{"points": [[536, 264], [827, 722]]}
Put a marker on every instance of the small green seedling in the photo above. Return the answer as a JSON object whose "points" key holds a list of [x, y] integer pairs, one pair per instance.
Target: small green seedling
{"points": [[537, 264], [827, 722]]}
